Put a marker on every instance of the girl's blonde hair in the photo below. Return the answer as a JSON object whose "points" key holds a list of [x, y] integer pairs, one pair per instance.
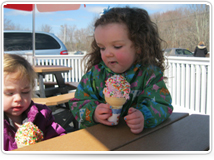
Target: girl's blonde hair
{"points": [[141, 31], [16, 64]]}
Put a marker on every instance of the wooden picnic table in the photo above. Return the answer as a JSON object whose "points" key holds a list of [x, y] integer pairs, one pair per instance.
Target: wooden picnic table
{"points": [[57, 72], [180, 132], [51, 95]]}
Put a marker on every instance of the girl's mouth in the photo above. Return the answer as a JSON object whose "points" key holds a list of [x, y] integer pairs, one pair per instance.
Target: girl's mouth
{"points": [[113, 62], [16, 109]]}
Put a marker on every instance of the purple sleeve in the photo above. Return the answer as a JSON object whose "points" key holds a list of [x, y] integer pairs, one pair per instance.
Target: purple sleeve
{"points": [[52, 128]]}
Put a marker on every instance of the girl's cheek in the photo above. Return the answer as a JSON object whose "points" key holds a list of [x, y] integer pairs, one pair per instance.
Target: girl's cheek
{"points": [[120, 56], [123, 58]]}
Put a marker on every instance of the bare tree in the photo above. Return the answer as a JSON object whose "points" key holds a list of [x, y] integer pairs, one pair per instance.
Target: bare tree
{"points": [[184, 27], [67, 36], [46, 28], [77, 39], [9, 25], [200, 18]]}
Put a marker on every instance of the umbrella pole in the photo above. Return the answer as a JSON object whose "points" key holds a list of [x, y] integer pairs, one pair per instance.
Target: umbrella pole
{"points": [[33, 61]]}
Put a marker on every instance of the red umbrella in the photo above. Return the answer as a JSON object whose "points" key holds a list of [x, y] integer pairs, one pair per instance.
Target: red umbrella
{"points": [[42, 8], [24, 7]]}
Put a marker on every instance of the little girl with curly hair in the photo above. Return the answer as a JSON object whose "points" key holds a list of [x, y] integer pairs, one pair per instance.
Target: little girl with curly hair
{"points": [[126, 42]]}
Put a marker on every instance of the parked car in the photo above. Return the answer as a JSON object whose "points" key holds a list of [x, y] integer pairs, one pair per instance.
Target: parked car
{"points": [[178, 52], [20, 42], [79, 53]]}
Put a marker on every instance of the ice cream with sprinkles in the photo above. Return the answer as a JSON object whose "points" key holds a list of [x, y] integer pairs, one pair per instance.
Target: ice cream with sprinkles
{"points": [[28, 134], [116, 93], [117, 86]]}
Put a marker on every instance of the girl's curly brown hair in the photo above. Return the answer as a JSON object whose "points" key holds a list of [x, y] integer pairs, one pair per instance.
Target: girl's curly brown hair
{"points": [[142, 32]]}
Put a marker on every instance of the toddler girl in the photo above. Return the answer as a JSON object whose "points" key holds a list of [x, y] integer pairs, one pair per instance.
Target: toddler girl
{"points": [[126, 42], [19, 78]]}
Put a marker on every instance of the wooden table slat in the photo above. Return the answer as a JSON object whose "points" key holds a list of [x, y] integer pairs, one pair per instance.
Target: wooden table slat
{"points": [[188, 134], [42, 69], [55, 100]]}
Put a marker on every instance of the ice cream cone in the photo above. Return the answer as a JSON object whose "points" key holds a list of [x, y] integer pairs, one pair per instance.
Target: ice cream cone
{"points": [[117, 105], [28, 134], [21, 145], [115, 102], [116, 93]]}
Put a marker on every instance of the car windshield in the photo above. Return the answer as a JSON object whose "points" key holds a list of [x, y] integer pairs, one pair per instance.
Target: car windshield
{"points": [[186, 52]]}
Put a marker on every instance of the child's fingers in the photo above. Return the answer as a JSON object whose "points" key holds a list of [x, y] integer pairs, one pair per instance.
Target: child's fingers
{"points": [[135, 120], [104, 108], [102, 112], [109, 106], [105, 116], [132, 121], [132, 110], [132, 114], [134, 126]]}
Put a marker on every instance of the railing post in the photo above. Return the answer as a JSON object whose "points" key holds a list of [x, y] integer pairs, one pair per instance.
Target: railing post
{"points": [[192, 90], [183, 85], [208, 108], [203, 89], [187, 93], [198, 89]]}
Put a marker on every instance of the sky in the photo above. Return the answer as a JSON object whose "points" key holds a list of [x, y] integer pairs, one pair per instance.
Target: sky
{"points": [[81, 18]]}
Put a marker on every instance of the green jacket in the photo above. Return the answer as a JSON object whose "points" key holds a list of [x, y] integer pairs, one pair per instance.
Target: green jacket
{"points": [[149, 94]]}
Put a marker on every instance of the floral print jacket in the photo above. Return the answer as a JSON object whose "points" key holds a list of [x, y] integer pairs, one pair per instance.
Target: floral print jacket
{"points": [[149, 94]]}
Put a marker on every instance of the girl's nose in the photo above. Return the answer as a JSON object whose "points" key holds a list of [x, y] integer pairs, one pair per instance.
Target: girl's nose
{"points": [[18, 98], [108, 53]]}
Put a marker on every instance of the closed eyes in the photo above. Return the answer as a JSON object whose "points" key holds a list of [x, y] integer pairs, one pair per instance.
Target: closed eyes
{"points": [[116, 47]]}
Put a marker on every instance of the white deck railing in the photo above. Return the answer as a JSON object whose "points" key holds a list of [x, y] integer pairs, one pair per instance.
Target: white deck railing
{"points": [[189, 79], [189, 82], [73, 61]]}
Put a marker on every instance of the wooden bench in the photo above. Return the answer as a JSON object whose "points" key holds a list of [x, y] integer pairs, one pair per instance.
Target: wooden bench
{"points": [[71, 84], [55, 100]]}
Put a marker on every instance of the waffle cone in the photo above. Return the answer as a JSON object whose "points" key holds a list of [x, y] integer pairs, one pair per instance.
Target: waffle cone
{"points": [[115, 102], [21, 145]]}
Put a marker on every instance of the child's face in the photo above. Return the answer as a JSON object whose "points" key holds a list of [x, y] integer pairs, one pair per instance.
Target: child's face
{"points": [[17, 95], [117, 50]]}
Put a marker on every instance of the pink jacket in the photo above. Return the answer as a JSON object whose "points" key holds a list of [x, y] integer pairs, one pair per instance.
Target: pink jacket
{"points": [[41, 116]]}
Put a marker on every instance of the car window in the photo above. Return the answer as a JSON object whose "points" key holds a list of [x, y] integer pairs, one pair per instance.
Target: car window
{"points": [[23, 41], [44, 41], [179, 51], [186, 52], [17, 41]]}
